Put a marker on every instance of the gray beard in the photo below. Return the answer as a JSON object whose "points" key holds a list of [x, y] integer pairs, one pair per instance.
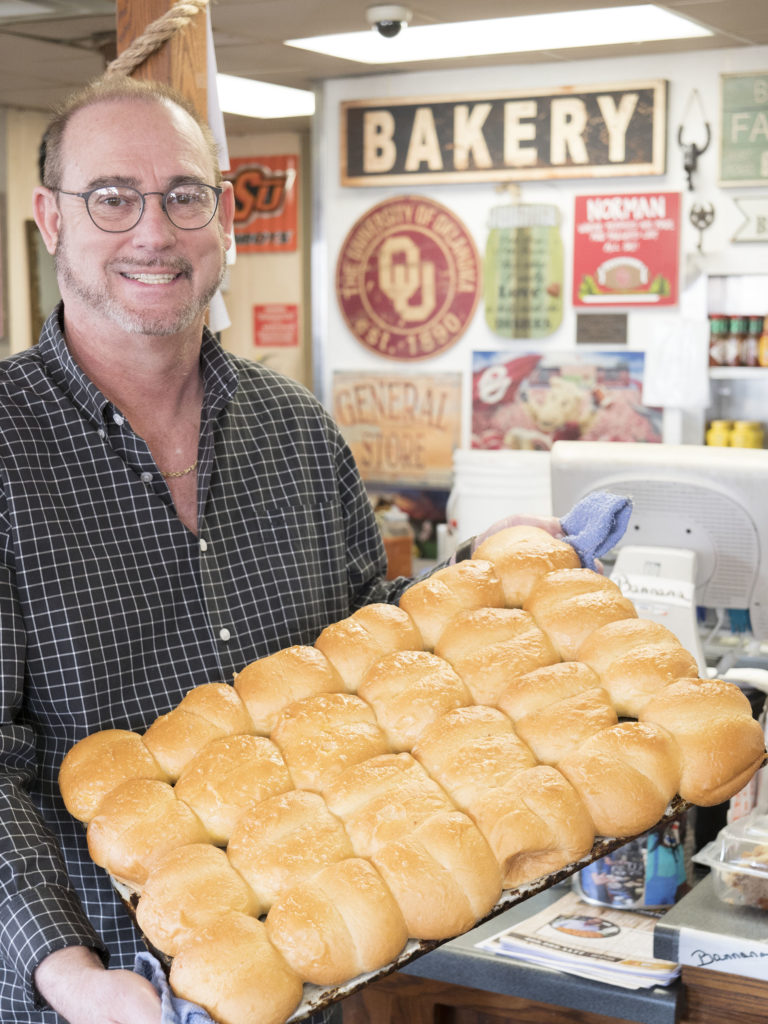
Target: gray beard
{"points": [[130, 321]]}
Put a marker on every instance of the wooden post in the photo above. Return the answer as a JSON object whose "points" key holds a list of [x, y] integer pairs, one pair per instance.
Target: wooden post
{"points": [[180, 62]]}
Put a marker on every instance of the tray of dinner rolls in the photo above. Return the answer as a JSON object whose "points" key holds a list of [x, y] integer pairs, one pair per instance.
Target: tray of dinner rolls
{"points": [[343, 807]]}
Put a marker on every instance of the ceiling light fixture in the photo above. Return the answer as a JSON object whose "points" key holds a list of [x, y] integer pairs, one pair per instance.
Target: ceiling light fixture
{"points": [[250, 98], [563, 30]]}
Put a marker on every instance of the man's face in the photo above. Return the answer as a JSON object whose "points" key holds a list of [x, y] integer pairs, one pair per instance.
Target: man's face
{"points": [[155, 279]]}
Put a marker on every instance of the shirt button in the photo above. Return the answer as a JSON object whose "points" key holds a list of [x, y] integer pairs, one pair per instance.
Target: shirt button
{"points": [[224, 634], [102, 433], [118, 419], [203, 544], [146, 478]]}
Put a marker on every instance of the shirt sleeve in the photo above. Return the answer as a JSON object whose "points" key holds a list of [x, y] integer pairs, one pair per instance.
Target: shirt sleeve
{"points": [[39, 910]]}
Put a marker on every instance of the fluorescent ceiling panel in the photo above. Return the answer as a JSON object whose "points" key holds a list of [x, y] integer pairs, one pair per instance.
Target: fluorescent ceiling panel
{"points": [[249, 98], [564, 30]]}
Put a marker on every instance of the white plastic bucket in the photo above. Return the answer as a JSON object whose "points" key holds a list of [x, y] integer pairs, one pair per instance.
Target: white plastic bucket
{"points": [[489, 485]]}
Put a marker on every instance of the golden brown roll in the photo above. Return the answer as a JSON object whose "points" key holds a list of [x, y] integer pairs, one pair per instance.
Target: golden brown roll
{"points": [[471, 749], [230, 968], [635, 658], [343, 923], [382, 799], [206, 712], [187, 888], [285, 840], [268, 685], [442, 874], [626, 776], [534, 824], [355, 643], [488, 646], [227, 776], [136, 823], [542, 687], [721, 744], [521, 555], [556, 708], [99, 762], [408, 690], [570, 604], [432, 602], [320, 736]]}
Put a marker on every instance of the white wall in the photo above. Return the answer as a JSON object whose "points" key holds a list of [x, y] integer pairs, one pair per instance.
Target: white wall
{"points": [[339, 207]]}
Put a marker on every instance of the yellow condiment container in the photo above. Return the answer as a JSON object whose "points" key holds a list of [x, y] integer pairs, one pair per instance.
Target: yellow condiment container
{"points": [[719, 433], [747, 434]]}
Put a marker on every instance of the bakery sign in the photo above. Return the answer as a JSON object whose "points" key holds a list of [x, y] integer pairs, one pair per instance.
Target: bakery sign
{"points": [[569, 132], [401, 429], [408, 278]]}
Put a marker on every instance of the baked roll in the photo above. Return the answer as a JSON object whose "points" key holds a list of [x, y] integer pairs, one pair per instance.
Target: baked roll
{"points": [[408, 690], [136, 823], [570, 604], [268, 685], [355, 643], [721, 744], [521, 555], [98, 763], [432, 602], [342, 923], [488, 646], [285, 840], [442, 874], [383, 799], [470, 750], [205, 713], [230, 968], [320, 736], [534, 824], [625, 776], [187, 888], [227, 776], [635, 659]]}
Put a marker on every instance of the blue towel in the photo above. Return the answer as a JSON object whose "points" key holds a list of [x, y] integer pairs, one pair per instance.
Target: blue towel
{"points": [[595, 524], [175, 1010]]}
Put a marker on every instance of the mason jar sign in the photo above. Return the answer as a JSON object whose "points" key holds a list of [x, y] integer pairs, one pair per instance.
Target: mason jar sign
{"points": [[524, 270]]}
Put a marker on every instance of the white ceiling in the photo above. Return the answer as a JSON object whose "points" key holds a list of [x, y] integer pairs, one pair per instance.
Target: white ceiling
{"points": [[44, 56]]}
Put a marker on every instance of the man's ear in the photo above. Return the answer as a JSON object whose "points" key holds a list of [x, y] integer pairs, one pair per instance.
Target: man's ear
{"points": [[227, 210], [45, 210]]}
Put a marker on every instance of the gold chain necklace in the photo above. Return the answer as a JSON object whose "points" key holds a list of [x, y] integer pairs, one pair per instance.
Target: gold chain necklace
{"points": [[181, 472]]}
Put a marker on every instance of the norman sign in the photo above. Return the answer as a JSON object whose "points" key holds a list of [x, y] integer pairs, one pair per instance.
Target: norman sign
{"points": [[584, 132]]}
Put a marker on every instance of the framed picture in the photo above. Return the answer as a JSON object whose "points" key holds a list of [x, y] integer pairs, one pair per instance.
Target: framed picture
{"points": [[743, 126]]}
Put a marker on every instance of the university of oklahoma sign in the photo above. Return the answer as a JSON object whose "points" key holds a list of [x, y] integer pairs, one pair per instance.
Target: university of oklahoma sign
{"points": [[578, 132]]}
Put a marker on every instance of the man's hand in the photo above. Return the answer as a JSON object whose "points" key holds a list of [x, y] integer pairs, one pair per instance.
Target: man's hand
{"points": [[76, 984]]}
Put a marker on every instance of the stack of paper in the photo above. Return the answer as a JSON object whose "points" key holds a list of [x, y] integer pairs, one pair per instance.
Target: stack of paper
{"points": [[601, 943]]}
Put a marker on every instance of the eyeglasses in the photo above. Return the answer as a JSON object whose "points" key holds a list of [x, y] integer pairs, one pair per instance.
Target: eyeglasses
{"points": [[120, 207]]}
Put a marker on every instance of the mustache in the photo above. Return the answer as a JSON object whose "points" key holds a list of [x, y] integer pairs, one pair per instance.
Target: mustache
{"points": [[173, 265]]}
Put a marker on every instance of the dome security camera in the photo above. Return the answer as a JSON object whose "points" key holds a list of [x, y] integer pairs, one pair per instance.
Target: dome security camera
{"points": [[388, 19]]}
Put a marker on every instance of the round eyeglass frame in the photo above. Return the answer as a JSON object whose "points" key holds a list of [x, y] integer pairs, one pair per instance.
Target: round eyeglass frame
{"points": [[85, 196]]}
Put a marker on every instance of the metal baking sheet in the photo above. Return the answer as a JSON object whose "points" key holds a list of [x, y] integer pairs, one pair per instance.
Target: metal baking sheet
{"points": [[318, 997]]}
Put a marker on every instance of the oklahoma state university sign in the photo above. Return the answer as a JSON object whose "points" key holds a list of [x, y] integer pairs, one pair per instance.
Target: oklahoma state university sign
{"points": [[578, 132]]}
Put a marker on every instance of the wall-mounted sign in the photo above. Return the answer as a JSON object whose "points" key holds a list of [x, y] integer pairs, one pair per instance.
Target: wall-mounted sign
{"points": [[626, 249], [533, 400], [744, 129], [401, 429], [266, 200], [523, 273], [276, 325], [754, 227], [408, 278], [571, 132]]}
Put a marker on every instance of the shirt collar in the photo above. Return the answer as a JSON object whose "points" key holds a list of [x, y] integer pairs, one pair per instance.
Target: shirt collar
{"points": [[219, 374]]}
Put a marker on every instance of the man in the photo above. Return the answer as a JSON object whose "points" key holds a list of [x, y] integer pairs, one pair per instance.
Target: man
{"points": [[168, 513]]}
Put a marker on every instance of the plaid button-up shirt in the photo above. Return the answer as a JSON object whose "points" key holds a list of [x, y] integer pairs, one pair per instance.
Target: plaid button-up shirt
{"points": [[111, 609]]}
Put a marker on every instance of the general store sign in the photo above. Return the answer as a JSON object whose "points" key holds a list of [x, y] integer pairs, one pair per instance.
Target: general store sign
{"points": [[570, 132]]}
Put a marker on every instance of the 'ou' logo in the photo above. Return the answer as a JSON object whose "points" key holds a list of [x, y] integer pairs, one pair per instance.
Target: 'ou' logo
{"points": [[260, 192], [402, 272]]}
